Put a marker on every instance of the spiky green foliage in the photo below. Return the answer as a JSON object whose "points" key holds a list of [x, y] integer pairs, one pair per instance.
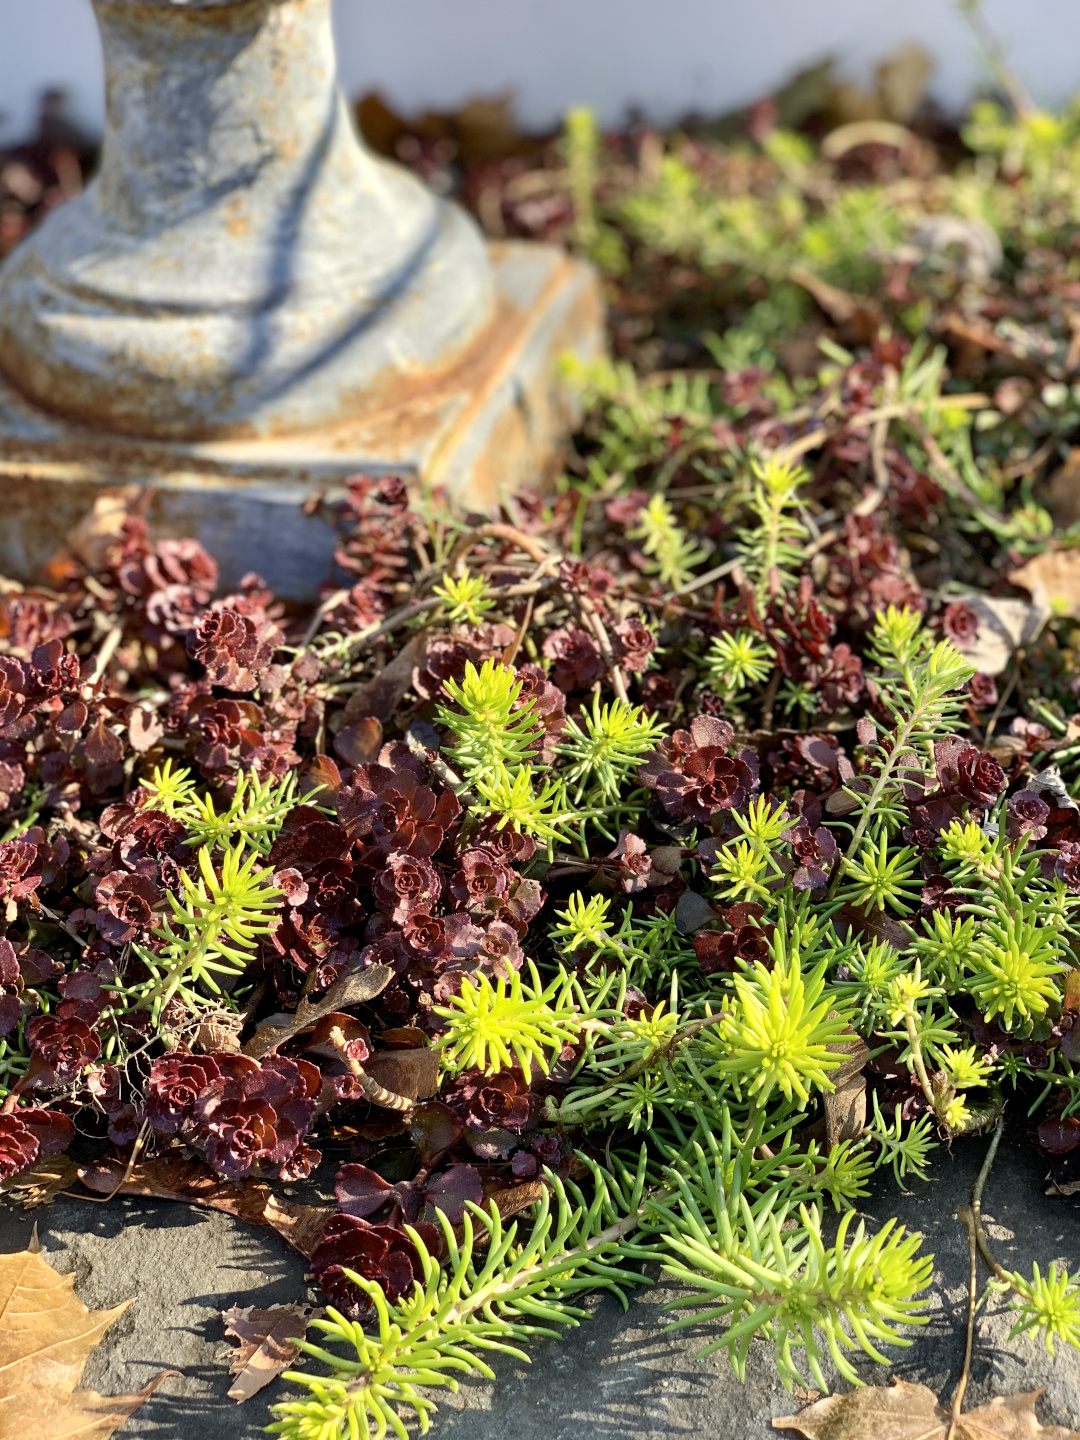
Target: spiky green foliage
{"points": [[919, 685], [213, 929], [510, 799], [493, 728], [672, 553], [604, 750], [907, 1151], [780, 1031], [491, 1027], [583, 922], [738, 660], [466, 598], [502, 1285], [1014, 962], [876, 878], [170, 789], [254, 816], [774, 546], [1048, 1305], [783, 1282]]}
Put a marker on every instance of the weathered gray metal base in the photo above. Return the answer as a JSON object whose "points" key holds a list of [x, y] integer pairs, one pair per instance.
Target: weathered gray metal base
{"points": [[494, 423]]}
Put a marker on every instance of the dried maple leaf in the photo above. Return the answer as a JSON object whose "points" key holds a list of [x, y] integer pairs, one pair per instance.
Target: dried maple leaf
{"points": [[912, 1412], [269, 1341], [46, 1335]]}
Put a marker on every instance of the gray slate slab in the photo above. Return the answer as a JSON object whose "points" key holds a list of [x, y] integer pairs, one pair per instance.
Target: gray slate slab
{"points": [[616, 1378]]}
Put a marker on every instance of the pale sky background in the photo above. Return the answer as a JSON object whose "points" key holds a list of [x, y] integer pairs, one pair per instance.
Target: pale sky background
{"points": [[664, 56]]}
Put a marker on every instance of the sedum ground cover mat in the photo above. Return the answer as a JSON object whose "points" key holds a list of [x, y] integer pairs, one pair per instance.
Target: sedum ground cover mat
{"points": [[613, 890]]}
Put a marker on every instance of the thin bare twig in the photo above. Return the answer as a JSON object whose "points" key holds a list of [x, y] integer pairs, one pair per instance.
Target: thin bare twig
{"points": [[971, 1216], [973, 1287], [109, 647], [330, 603], [591, 616]]}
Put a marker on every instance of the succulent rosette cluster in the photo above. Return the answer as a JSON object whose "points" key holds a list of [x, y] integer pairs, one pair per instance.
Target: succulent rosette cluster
{"points": [[246, 1117]]}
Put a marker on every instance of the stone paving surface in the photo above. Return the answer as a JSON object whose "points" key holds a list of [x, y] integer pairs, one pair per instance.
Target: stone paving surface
{"points": [[617, 1378]]}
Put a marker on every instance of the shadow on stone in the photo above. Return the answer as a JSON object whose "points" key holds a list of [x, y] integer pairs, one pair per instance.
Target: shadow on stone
{"points": [[617, 1377]]}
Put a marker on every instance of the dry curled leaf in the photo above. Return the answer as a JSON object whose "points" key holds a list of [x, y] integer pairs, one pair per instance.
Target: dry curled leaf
{"points": [[145, 729], [350, 990], [380, 696], [912, 1412], [174, 1176], [46, 1336], [269, 1341], [1004, 625], [31, 1188], [412, 1073], [845, 1103], [1053, 579]]}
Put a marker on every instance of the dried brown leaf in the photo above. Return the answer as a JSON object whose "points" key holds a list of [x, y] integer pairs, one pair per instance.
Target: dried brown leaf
{"points": [[46, 1336], [145, 729], [412, 1073], [912, 1412], [382, 695], [175, 1176], [1004, 625], [350, 990], [269, 1341], [845, 1104], [48, 1177], [1053, 579]]}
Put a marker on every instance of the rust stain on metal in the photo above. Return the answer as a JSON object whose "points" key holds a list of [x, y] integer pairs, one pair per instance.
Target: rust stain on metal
{"points": [[241, 267]]}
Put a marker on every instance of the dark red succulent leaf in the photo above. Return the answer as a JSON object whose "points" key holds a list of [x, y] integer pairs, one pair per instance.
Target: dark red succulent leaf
{"points": [[633, 861], [301, 1164], [549, 710], [389, 805], [506, 844], [1026, 814], [175, 1083], [65, 1047], [126, 905], [360, 1191], [54, 1130], [693, 775], [383, 1254], [453, 1190], [20, 874], [966, 771], [815, 850], [434, 1129], [960, 624], [633, 644], [234, 648], [480, 881], [578, 662], [306, 838], [1059, 1134], [983, 692], [19, 1145], [405, 884]]}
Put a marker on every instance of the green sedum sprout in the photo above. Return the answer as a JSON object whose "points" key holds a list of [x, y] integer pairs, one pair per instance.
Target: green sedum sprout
{"points": [[492, 1027]]}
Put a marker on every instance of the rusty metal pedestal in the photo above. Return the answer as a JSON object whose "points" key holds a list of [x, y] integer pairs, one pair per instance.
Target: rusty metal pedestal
{"points": [[246, 306]]}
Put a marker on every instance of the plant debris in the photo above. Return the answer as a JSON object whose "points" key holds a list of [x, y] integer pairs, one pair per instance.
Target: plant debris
{"points": [[902, 1411], [46, 1336], [269, 1340]]}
